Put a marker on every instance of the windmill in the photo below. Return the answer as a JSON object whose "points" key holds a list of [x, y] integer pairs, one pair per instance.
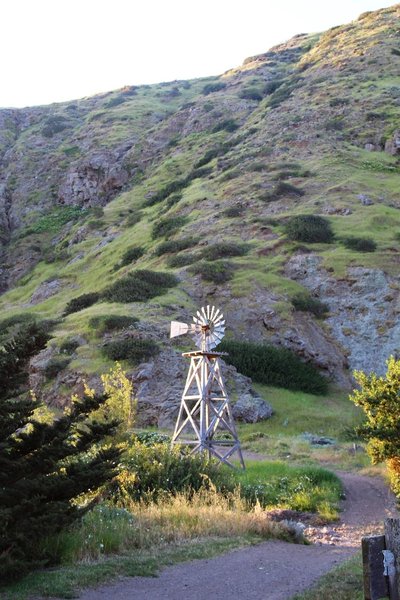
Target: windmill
{"points": [[205, 419]]}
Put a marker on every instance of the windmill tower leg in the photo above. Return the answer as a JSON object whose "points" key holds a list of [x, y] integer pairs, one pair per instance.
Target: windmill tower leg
{"points": [[205, 411]]}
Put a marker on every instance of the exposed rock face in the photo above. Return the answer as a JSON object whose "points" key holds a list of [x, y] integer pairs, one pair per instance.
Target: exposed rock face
{"points": [[94, 182], [159, 385], [393, 144], [364, 309]]}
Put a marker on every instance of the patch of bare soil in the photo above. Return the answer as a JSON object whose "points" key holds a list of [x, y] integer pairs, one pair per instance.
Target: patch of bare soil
{"points": [[272, 570]]}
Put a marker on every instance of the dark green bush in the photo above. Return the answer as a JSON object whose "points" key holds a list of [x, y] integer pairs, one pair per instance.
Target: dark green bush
{"points": [[309, 228], [226, 125], [167, 226], [335, 124], [273, 366], [339, 102], [208, 157], [69, 346], [360, 244], [81, 302], [159, 470], [167, 190], [53, 125], [132, 219], [175, 245], [132, 350], [106, 323], [130, 255], [224, 250], [280, 189], [139, 286], [233, 211], [150, 438], [306, 303], [54, 366], [272, 86], [395, 51], [181, 260], [15, 321], [209, 88], [218, 271], [251, 93]]}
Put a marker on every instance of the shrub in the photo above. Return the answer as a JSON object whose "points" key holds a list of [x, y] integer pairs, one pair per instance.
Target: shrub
{"points": [[223, 250], [139, 286], [338, 102], [174, 245], [233, 211], [309, 228], [360, 244], [54, 366], [106, 323], [282, 188], [15, 322], [53, 125], [167, 190], [130, 256], [181, 260], [81, 302], [131, 349], [210, 88], [69, 346], [158, 469], [167, 226], [272, 86], [218, 271], [208, 157], [251, 93], [306, 303], [273, 366], [132, 219], [335, 124], [395, 51], [226, 125], [379, 398]]}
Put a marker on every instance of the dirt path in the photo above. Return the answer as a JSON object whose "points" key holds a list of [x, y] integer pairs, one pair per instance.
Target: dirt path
{"points": [[272, 570]]}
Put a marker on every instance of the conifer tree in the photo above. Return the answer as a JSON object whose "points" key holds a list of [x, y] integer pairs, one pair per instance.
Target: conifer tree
{"points": [[43, 466]]}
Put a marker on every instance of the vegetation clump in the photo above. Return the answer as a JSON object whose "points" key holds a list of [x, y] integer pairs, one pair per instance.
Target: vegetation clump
{"points": [[174, 245], [379, 398], [139, 286], [107, 323], [130, 256], [55, 366], [306, 303], [167, 226], [274, 366], [131, 349], [210, 88], [224, 250], [182, 260], [81, 302], [309, 228], [280, 189], [360, 244], [226, 125], [218, 271]]}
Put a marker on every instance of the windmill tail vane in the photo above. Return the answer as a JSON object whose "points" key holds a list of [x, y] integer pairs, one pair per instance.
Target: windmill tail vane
{"points": [[205, 410]]}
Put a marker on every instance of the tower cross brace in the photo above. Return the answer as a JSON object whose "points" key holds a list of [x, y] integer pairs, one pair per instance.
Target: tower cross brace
{"points": [[205, 420]]}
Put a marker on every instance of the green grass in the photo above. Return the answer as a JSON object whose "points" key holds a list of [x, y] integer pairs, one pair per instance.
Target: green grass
{"points": [[278, 484]]}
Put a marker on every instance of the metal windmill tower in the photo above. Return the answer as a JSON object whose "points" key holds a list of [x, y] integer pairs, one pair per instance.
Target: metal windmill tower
{"points": [[205, 419]]}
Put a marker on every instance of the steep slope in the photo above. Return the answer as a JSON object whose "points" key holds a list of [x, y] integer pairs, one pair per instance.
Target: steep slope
{"points": [[310, 127]]}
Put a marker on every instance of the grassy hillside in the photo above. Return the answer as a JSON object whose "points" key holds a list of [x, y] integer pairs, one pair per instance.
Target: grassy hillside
{"points": [[200, 179]]}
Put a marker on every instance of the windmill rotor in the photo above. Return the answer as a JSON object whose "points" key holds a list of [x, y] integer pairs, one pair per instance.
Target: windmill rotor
{"points": [[207, 329]]}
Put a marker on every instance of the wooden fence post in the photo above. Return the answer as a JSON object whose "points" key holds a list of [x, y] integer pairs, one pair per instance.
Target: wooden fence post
{"points": [[375, 582], [392, 539]]}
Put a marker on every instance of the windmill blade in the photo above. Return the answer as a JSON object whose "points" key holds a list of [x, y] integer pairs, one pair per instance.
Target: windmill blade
{"points": [[212, 313], [208, 312], [178, 328]]}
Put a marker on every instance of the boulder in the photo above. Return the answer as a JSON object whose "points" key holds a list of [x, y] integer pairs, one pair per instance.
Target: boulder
{"points": [[251, 409]]}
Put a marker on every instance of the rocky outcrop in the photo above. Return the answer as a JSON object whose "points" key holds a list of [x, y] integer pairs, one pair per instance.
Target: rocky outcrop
{"points": [[93, 182], [364, 309]]}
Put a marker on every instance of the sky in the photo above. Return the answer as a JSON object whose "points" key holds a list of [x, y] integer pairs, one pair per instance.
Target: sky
{"points": [[59, 50]]}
